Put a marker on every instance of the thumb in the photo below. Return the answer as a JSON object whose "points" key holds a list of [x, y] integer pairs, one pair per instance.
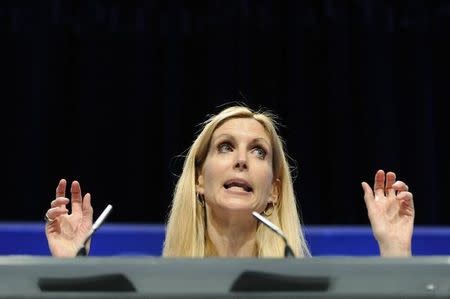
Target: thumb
{"points": [[88, 211], [368, 193]]}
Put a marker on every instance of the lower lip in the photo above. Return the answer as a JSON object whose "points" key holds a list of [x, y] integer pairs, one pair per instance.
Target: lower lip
{"points": [[236, 192]]}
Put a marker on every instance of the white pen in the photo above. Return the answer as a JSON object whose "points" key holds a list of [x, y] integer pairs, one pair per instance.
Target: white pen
{"points": [[101, 218]]}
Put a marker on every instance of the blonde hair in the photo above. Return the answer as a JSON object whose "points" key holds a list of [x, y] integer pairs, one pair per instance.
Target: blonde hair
{"points": [[186, 227]]}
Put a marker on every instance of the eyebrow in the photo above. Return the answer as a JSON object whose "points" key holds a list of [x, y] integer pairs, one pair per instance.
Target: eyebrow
{"points": [[257, 139]]}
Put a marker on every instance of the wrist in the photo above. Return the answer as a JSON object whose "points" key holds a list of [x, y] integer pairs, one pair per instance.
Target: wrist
{"points": [[395, 250]]}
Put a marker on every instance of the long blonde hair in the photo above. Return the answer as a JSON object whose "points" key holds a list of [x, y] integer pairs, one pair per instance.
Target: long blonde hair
{"points": [[186, 228]]}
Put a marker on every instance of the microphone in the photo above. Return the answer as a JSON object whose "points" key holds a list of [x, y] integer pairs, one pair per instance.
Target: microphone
{"points": [[82, 251], [288, 252]]}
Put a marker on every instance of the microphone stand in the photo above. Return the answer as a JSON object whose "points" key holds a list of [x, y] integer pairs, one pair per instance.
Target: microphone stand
{"points": [[288, 252]]}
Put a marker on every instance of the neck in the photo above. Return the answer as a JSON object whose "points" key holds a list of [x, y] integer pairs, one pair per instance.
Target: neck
{"points": [[232, 236]]}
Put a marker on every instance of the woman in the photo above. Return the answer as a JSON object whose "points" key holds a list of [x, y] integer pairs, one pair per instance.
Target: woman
{"points": [[236, 165]]}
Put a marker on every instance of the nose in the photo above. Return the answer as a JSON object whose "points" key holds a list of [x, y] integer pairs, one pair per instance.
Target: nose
{"points": [[241, 164]]}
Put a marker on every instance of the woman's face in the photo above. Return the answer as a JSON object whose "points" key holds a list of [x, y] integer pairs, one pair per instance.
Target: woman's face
{"points": [[237, 173]]}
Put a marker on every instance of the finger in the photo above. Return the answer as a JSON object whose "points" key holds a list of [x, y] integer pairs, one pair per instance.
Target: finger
{"points": [[379, 184], [88, 214], [88, 211], [406, 203], [400, 186], [54, 213], [406, 210], [368, 193], [390, 180], [59, 201], [405, 196], [61, 188], [75, 190]]}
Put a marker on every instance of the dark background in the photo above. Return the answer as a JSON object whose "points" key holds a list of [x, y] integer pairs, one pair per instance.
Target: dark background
{"points": [[111, 92]]}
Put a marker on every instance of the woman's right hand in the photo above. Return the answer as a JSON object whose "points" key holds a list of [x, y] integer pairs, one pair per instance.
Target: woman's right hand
{"points": [[66, 232]]}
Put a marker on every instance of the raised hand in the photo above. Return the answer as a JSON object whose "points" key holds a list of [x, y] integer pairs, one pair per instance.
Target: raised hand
{"points": [[66, 232], [390, 208]]}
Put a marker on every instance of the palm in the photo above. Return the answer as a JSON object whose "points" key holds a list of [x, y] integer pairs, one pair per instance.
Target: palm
{"points": [[66, 235], [389, 220]]}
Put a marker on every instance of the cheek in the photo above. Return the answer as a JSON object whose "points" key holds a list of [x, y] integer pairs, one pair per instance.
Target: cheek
{"points": [[212, 172], [265, 178], [216, 164]]}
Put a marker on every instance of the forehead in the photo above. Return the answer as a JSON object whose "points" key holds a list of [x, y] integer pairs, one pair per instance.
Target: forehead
{"points": [[242, 127]]}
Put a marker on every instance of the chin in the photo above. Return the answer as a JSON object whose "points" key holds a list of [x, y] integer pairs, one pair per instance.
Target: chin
{"points": [[238, 205]]}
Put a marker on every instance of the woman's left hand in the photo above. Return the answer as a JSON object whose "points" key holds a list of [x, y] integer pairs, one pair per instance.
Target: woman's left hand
{"points": [[391, 213]]}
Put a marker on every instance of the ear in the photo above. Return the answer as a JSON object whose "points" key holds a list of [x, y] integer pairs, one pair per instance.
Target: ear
{"points": [[199, 187], [276, 185]]}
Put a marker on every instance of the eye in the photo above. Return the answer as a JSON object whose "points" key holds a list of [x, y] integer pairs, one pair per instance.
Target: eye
{"points": [[260, 152], [224, 147]]}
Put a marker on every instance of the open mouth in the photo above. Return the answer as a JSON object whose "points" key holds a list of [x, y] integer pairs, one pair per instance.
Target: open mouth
{"points": [[238, 184]]}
